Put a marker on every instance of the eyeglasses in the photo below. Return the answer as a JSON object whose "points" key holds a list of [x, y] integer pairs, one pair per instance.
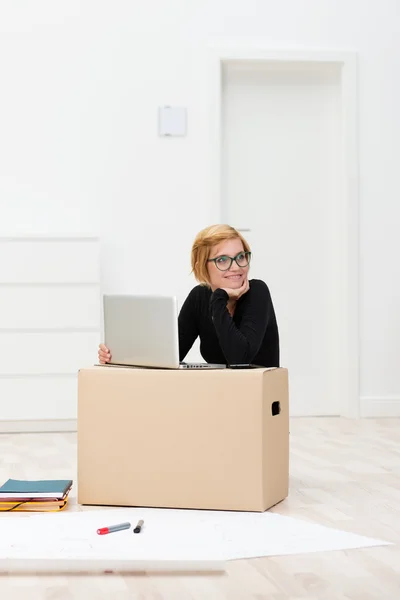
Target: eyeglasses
{"points": [[224, 263]]}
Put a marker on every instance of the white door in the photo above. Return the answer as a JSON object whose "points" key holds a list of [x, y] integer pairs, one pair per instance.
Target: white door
{"points": [[281, 184]]}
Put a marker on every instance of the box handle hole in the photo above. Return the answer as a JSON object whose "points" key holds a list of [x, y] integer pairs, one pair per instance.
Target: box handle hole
{"points": [[275, 408]]}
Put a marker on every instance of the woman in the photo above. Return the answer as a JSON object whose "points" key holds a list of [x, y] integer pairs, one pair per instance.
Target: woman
{"points": [[234, 317]]}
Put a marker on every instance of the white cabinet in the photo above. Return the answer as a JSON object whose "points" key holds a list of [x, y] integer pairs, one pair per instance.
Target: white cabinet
{"points": [[50, 324]]}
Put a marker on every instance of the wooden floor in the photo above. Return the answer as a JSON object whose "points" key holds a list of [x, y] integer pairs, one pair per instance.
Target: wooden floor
{"points": [[344, 474]]}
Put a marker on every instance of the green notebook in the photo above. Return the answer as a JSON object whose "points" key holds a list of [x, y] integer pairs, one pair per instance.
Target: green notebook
{"points": [[48, 488]]}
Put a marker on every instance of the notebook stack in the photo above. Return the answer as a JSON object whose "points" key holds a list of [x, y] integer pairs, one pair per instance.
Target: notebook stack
{"points": [[34, 496]]}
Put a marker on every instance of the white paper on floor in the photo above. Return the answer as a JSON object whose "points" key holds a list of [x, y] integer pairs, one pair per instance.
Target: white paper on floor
{"points": [[167, 535]]}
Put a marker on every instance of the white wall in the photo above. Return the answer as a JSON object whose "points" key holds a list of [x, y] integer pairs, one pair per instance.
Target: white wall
{"points": [[79, 152]]}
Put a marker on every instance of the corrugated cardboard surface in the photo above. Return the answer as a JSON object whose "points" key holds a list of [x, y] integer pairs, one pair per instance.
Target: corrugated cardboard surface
{"points": [[182, 439]]}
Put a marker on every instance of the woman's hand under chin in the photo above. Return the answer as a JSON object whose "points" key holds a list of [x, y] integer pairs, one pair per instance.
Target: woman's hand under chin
{"points": [[235, 294]]}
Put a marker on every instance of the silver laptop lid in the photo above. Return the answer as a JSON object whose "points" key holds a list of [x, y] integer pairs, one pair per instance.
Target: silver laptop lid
{"points": [[142, 330]]}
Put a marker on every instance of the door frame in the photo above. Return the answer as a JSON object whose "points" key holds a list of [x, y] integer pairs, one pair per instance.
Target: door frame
{"points": [[347, 240]]}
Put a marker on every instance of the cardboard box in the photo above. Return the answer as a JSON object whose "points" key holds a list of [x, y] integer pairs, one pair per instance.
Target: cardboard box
{"points": [[209, 439]]}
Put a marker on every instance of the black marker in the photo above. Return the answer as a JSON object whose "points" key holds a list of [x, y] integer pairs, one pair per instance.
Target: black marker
{"points": [[138, 527]]}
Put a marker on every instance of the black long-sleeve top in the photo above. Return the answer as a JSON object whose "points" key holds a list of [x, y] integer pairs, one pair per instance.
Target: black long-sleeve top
{"points": [[250, 336]]}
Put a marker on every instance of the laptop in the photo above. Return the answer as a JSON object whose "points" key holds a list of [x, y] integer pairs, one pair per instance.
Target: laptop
{"points": [[142, 331]]}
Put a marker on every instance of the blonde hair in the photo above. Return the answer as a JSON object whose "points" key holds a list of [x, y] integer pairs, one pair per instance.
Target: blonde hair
{"points": [[205, 240]]}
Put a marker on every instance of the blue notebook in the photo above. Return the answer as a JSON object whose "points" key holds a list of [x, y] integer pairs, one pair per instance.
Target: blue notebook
{"points": [[47, 488]]}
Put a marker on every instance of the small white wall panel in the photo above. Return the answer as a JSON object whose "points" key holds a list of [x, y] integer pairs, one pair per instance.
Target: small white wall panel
{"points": [[50, 324], [48, 261], [38, 398], [47, 353], [49, 307]]}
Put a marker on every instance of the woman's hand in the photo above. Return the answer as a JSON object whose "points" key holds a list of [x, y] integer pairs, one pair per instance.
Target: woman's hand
{"points": [[235, 294], [104, 354]]}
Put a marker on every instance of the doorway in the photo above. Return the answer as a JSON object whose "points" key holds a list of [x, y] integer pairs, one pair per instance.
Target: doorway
{"points": [[283, 157]]}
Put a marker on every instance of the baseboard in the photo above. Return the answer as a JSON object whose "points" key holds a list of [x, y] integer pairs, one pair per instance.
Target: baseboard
{"points": [[380, 406], [42, 426], [370, 406]]}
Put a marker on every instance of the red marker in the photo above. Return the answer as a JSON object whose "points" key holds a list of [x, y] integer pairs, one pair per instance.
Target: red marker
{"points": [[112, 528]]}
